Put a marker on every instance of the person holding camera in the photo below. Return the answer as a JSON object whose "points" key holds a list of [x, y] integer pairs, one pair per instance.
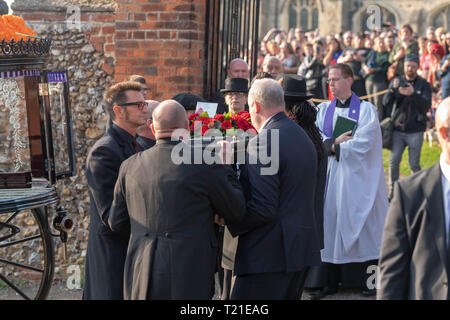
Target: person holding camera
{"points": [[410, 95]]}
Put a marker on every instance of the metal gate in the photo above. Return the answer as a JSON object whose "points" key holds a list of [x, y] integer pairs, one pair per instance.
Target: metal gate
{"points": [[232, 32]]}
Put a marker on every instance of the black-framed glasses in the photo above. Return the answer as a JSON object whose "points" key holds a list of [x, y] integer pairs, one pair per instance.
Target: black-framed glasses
{"points": [[140, 105]]}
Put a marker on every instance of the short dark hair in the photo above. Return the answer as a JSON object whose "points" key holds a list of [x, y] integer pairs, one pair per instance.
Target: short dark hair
{"points": [[116, 94], [346, 71]]}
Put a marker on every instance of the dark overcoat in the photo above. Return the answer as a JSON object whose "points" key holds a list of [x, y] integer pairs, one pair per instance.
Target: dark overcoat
{"points": [[169, 207], [106, 250]]}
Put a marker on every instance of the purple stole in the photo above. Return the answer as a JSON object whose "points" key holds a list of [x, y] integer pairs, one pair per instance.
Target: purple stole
{"points": [[353, 113]]}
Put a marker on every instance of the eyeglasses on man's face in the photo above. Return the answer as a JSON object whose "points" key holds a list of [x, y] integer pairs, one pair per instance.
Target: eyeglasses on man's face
{"points": [[140, 105]]}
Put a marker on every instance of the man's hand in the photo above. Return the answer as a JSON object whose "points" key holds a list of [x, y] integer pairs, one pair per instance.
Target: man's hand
{"points": [[406, 91], [368, 70], [400, 54], [218, 220], [396, 83], [342, 138]]}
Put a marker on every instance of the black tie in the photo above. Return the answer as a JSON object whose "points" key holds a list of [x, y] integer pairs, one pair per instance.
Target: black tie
{"points": [[137, 148]]}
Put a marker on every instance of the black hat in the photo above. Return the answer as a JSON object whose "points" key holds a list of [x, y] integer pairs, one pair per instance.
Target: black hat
{"points": [[235, 85], [294, 87], [188, 100], [412, 57]]}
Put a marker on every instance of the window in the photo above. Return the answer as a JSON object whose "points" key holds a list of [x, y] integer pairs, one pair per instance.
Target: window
{"points": [[442, 18], [303, 13]]}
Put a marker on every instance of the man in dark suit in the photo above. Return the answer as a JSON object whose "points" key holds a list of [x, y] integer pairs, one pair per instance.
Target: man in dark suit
{"points": [[106, 250], [169, 205], [277, 238], [415, 257]]}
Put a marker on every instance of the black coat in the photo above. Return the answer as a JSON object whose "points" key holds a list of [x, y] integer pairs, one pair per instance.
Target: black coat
{"points": [[414, 259], [106, 250], [173, 245], [320, 196], [409, 110], [145, 143], [279, 233]]}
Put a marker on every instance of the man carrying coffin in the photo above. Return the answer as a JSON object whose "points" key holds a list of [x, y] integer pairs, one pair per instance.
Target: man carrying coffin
{"points": [[167, 208], [355, 198]]}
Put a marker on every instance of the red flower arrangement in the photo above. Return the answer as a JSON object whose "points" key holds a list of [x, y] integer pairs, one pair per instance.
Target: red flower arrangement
{"points": [[229, 125]]}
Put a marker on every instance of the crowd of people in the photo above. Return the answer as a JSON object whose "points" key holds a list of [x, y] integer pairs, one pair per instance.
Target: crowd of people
{"points": [[369, 54], [377, 59], [161, 230]]}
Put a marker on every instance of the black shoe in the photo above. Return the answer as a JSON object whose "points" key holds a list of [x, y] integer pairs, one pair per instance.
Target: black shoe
{"points": [[369, 292], [322, 293]]}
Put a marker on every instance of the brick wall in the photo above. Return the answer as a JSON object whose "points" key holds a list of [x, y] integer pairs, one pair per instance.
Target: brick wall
{"points": [[164, 41]]}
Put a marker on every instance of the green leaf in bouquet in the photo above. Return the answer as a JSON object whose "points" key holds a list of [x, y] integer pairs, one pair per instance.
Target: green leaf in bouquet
{"points": [[227, 116], [204, 114]]}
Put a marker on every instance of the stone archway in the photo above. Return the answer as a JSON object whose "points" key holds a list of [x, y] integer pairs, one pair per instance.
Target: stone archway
{"points": [[388, 12]]}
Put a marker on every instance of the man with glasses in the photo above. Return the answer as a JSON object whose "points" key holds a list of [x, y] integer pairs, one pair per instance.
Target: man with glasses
{"points": [[106, 250], [355, 198]]}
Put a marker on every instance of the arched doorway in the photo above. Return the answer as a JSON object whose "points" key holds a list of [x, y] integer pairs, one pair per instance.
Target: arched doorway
{"points": [[303, 13]]}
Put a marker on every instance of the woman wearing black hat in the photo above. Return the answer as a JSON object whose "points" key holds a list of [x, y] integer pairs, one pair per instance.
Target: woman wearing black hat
{"points": [[235, 93], [304, 113]]}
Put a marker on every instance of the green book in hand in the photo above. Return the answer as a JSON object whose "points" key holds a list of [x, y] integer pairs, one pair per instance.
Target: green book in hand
{"points": [[342, 125]]}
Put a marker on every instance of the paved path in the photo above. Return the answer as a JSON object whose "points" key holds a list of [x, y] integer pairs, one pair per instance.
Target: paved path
{"points": [[60, 292]]}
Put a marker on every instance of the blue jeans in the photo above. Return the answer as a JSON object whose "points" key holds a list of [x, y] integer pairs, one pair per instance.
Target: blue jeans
{"points": [[400, 140]]}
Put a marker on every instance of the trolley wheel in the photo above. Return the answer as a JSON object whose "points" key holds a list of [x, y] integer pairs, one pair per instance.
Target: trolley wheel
{"points": [[26, 257]]}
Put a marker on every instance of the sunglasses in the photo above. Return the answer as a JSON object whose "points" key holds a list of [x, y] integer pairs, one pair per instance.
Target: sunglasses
{"points": [[140, 105]]}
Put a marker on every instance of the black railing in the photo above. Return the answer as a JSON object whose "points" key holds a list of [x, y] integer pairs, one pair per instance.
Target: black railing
{"points": [[232, 32]]}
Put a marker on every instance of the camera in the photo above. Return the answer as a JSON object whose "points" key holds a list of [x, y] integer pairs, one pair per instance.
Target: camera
{"points": [[403, 83]]}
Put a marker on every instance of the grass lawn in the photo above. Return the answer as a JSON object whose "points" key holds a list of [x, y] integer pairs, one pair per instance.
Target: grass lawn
{"points": [[428, 157]]}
